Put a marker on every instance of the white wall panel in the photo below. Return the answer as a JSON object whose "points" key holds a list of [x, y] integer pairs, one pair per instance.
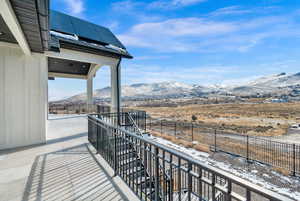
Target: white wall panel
{"points": [[23, 98]]}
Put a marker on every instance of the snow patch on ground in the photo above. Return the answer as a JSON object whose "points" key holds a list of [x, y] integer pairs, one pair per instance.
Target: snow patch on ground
{"points": [[243, 173]]}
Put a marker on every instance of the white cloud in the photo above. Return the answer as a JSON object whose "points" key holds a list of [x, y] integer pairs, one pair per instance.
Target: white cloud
{"points": [[126, 5], [170, 35], [129, 6], [75, 7], [113, 25], [152, 57], [190, 74], [209, 35], [231, 10], [174, 4], [184, 27]]}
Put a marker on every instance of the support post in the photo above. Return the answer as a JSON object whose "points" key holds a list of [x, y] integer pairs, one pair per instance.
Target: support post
{"points": [[89, 94], [116, 90]]}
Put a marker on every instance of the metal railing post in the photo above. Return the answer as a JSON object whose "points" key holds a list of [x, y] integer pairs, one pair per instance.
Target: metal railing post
{"points": [[175, 127], [97, 138], [189, 180], [247, 148], [192, 132], [160, 126], [115, 153], [156, 174], [215, 140], [294, 159]]}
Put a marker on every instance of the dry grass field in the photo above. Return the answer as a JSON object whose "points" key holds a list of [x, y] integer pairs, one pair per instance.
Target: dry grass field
{"points": [[259, 119]]}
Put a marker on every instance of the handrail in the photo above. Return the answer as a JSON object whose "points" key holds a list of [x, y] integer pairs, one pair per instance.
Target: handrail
{"points": [[134, 124], [250, 187], [137, 129]]}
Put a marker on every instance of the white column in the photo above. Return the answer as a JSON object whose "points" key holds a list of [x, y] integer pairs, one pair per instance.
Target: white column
{"points": [[115, 88], [23, 98], [89, 87]]}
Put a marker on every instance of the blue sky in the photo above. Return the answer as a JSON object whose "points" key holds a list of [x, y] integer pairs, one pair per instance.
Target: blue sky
{"points": [[192, 41]]}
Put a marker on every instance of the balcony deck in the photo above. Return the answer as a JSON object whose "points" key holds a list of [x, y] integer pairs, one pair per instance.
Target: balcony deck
{"points": [[63, 169]]}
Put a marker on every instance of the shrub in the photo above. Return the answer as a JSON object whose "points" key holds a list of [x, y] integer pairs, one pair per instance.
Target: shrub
{"points": [[202, 147]]}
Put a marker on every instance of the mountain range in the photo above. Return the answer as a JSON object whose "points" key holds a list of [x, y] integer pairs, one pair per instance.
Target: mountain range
{"points": [[282, 84]]}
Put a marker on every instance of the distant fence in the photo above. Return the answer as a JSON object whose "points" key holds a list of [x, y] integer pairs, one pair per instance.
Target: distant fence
{"points": [[71, 108], [253, 148]]}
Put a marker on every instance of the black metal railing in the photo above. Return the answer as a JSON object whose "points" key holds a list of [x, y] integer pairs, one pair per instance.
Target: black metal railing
{"points": [[188, 179], [252, 148], [139, 117]]}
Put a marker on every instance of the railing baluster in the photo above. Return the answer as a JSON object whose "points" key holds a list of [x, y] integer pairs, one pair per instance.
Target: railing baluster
{"points": [[200, 183], [146, 163], [142, 144], [213, 183], [189, 180], [136, 166], [229, 189], [248, 195], [179, 179], [163, 176], [156, 174], [171, 178]]}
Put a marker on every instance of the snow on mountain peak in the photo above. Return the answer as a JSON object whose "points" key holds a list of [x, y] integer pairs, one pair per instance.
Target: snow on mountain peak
{"points": [[272, 84]]}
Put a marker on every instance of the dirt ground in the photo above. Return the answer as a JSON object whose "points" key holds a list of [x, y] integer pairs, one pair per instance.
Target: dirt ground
{"points": [[259, 119]]}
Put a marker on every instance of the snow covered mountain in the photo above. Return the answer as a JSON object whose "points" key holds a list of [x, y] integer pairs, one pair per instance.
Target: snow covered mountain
{"points": [[280, 84], [145, 90]]}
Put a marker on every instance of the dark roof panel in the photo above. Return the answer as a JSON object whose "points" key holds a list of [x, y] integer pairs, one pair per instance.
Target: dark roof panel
{"points": [[61, 22], [71, 25]]}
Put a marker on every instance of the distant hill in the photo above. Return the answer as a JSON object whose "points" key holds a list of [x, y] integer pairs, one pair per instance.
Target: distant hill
{"points": [[280, 84]]}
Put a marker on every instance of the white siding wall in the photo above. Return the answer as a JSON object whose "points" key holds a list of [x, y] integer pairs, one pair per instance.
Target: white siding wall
{"points": [[23, 98]]}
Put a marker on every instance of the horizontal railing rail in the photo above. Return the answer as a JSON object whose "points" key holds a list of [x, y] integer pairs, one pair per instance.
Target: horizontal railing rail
{"points": [[202, 182]]}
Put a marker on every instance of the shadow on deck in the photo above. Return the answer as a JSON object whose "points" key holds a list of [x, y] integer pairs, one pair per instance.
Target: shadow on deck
{"points": [[70, 174]]}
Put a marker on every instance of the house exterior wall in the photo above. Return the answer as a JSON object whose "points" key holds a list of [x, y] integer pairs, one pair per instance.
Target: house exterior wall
{"points": [[23, 98]]}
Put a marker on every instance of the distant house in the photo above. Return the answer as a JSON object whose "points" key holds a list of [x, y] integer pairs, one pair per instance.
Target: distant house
{"points": [[277, 100]]}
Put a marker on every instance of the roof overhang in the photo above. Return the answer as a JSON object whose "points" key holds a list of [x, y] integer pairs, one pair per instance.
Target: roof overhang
{"points": [[27, 22], [74, 64]]}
